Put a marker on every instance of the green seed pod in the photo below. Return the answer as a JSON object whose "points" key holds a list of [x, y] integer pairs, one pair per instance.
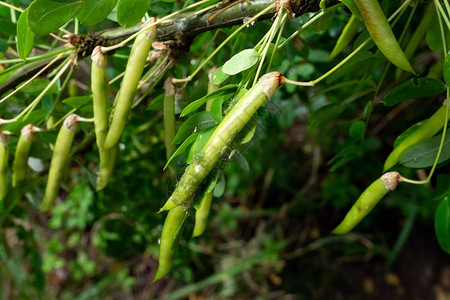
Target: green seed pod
{"points": [[107, 162], [22, 152], [425, 131], [99, 87], [128, 88], [211, 87], [222, 138], [367, 201], [201, 215], [3, 167], [169, 116], [347, 35], [60, 158], [170, 235], [381, 33]]}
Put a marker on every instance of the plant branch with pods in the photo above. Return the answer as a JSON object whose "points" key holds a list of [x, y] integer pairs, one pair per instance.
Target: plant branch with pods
{"points": [[211, 130]]}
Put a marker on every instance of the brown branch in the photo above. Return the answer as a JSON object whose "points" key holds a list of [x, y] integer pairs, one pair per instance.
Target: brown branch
{"points": [[183, 28]]}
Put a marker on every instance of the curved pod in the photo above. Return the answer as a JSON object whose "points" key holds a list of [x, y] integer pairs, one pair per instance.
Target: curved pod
{"points": [[133, 73], [173, 226], [367, 201], [381, 33], [428, 129]]}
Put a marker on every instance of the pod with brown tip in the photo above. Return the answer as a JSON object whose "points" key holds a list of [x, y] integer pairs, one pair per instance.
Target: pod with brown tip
{"points": [[169, 116], [4, 154], [426, 130], [223, 135], [367, 201], [172, 229], [100, 87], [128, 88], [60, 158], [20, 164], [381, 33]]}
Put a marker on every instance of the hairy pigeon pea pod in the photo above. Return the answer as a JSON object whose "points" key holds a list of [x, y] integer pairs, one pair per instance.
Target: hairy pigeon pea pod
{"points": [[107, 162], [202, 214], [170, 236], [367, 201], [60, 158], [426, 130], [222, 138], [128, 88], [100, 87], [21, 155]]}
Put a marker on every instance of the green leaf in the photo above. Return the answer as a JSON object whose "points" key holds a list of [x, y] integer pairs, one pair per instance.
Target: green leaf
{"points": [[35, 116], [3, 45], [45, 16], [219, 189], [78, 101], [406, 133], [442, 224], [354, 63], [201, 140], [37, 85], [241, 62], [318, 56], [357, 130], [182, 147], [94, 11], [197, 103], [434, 37], [248, 132], [157, 103], [217, 109], [324, 115], [323, 23], [8, 28], [414, 88], [130, 12], [25, 37], [195, 123], [218, 76], [424, 154]]}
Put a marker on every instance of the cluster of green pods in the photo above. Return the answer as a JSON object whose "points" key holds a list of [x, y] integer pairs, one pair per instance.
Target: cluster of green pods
{"points": [[180, 201]]}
